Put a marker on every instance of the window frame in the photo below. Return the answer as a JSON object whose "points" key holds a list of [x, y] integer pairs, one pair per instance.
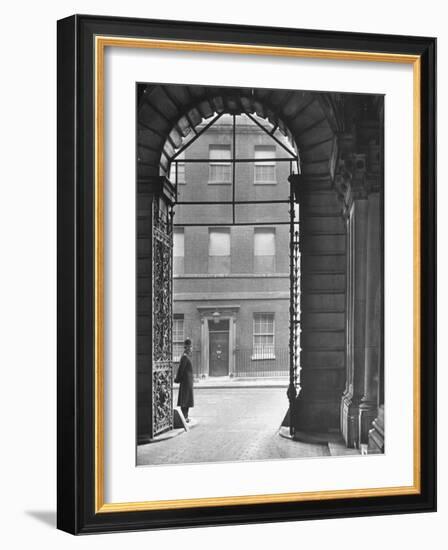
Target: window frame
{"points": [[218, 162], [261, 162], [264, 355], [177, 317]]}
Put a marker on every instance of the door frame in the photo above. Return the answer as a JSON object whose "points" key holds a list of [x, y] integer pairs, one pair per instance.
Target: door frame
{"points": [[225, 332], [227, 313]]}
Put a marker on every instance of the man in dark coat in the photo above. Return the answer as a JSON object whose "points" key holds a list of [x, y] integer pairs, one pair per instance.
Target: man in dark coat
{"points": [[184, 377]]}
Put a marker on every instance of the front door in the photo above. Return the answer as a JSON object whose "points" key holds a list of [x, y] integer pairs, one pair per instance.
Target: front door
{"points": [[219, 349]]}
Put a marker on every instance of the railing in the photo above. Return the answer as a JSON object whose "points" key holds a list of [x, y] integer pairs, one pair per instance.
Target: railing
{"points": [[267, 362], [251, 363]]}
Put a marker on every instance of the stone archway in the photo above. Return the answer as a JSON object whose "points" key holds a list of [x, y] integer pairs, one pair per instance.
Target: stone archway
{"points": [[317, 123], [169, 113]]}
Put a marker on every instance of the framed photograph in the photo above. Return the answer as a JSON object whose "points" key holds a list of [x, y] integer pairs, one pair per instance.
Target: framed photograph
{"points": [[246, 274]]}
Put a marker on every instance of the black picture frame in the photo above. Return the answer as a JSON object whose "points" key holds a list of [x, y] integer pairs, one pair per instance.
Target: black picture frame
{"points": [[76, 475]]}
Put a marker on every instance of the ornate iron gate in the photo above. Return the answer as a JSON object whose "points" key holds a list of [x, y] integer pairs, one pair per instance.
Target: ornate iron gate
{"points": [[162, 312]]}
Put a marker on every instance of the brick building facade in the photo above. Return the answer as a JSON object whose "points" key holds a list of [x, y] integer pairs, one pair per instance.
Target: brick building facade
{"points": [[231, 282]]}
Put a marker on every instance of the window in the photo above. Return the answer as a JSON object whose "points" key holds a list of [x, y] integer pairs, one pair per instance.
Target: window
{"points": [[180, 169], [264, 250], [263, 347], [219, 250], [178, 250], [220, 168], [178, 336], [264, 169]]}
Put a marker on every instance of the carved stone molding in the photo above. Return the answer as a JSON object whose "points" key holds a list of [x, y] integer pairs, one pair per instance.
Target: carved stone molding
{"points": [[353, 182], [225, 310]]}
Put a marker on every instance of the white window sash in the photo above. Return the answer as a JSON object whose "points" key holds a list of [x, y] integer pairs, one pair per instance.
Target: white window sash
{"points": [[263, 350], [178, 337], [219, 164], [264, 170]]}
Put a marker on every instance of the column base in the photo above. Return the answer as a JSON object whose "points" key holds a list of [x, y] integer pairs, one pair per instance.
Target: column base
{"points": [[307, 436], [368, 411], [350, 422], [316, 414], [376, 434]]}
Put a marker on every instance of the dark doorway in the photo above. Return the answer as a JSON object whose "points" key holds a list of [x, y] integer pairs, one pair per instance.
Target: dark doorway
{"points": [[219, 348]]}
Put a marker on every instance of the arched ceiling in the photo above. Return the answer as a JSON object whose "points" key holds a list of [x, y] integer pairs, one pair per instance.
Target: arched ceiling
{"points": [[168, 113]]}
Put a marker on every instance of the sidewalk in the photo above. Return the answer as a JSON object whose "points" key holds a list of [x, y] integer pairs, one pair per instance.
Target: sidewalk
{"points": [[230, 425], [241, 382]]}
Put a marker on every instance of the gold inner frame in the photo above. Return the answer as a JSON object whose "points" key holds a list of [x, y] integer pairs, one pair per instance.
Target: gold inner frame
{"points": [[101, 42]]}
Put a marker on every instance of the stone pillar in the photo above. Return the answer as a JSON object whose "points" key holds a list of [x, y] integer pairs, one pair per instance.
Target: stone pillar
{"points": [[315, 414], [360, 193], [351, 183], [356, 319], [368, 408], [376, 433]]}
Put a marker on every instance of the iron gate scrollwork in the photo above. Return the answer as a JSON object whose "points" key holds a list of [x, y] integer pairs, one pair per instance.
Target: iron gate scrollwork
{"points": [[162, 308]]}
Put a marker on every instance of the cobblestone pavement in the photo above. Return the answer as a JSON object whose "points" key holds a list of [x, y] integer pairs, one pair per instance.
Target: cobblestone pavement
{"points": [[233, 424]]}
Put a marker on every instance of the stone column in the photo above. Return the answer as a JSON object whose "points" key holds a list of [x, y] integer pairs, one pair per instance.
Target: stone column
{"points": [[376, 433], [351, 183], [356, 319], [315, 413], [368, 408]]}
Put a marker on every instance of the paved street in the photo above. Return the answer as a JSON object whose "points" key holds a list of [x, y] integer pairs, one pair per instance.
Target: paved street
{"points": [[233, 424]]}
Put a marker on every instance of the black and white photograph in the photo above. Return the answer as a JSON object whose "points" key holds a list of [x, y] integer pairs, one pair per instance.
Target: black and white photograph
{"points": [[259, 292], [222, 286]]}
